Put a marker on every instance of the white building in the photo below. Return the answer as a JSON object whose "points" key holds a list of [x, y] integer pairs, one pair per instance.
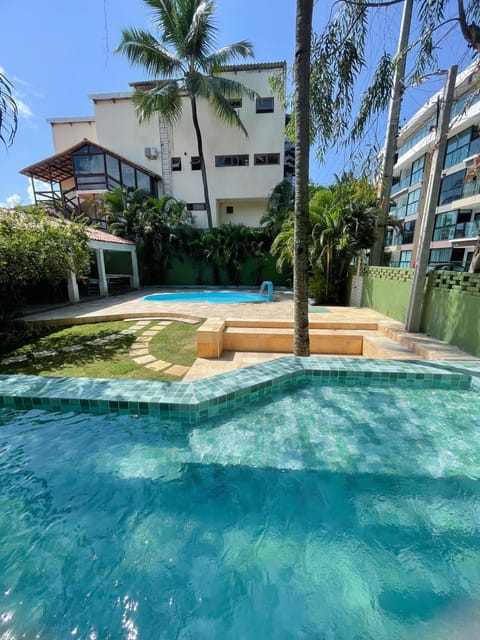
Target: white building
{"points": [[457, 216], [110, 149]]}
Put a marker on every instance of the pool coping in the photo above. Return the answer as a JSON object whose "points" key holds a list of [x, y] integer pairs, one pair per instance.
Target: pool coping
{"points": [[194, 402]]}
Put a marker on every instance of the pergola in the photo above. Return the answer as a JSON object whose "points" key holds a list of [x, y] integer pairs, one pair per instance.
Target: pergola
{"points": [[100, 242]]}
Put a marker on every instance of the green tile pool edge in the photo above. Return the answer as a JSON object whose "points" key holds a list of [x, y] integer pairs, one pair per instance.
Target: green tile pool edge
{"points": [[196, 401]]}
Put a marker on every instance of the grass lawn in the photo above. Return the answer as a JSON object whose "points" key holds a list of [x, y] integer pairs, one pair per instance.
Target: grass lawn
{"points": [[176, 343]]}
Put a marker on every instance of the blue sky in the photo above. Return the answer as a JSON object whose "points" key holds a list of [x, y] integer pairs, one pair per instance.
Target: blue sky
{"points": [[56, 53]]}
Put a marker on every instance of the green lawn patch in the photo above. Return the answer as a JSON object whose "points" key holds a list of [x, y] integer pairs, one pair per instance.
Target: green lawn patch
{"points": [[176, 343]]}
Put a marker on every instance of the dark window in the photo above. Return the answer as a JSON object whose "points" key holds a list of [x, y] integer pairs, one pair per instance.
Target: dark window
{"points": [[196, 206], [113, 167], [417, 170], [264, 105], [236, 104], [195, 163], [266, 158], [408, 232], [143, 181], [88, 163], [128, 175], [91, 183], [405, 259], [451, 187], [176, 164], [231, 161], [461, 146], [229, 209]]}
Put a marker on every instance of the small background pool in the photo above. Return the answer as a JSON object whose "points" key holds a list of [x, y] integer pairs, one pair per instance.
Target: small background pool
{"points": [[213, 297], [331, 513]]}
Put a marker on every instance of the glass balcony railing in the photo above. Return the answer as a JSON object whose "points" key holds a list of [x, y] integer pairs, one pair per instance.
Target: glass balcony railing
{"points": [[402, 184], [457, 156], [398, 212], [471, 189]]}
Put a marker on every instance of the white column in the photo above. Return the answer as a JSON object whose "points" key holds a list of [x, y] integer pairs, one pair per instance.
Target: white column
{"points": [[73, 294], [135, 275], [102, 276]]}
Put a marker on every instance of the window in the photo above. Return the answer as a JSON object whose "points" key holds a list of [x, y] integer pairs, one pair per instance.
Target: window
{"points": [[417, 170], [176, 164], [461, 146], [88, 164], [408, 232], [143, 181], [266, 158], [231, 161], [405, 259], [412, 202], [440, 255], [128, 175], [451, 187], [229, 209], [196, 206], [445, 225], [264, 105], [195, 163], [236, 103]]}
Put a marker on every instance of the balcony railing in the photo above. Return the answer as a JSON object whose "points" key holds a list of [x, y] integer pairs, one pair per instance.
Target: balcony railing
{"points": [[402, 184], [467, 229]]}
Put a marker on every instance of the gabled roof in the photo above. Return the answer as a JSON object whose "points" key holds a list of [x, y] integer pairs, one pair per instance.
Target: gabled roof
{"points": [[60, 166], [103, 236]]}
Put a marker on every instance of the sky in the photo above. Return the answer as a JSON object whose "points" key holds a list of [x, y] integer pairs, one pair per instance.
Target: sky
{"points": [[56, 53]]}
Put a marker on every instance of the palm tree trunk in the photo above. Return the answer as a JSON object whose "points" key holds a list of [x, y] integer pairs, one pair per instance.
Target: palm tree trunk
{"points": [[203, 169], [302, 150]]}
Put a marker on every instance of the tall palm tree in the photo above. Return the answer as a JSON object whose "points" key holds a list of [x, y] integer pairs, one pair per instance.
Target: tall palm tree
{"points": [[183, 63], [303, 36]]}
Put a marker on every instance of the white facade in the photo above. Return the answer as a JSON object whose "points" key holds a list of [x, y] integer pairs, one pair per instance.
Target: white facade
{"points": [[457, 216], [241, 170]]}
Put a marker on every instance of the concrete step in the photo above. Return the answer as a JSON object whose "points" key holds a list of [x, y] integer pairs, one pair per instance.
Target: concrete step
{"points": [[381, 347]]}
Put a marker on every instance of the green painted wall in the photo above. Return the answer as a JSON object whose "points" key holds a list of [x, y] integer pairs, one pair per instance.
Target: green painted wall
{"points": [[386, 294], [118, 262], [451, 309]]}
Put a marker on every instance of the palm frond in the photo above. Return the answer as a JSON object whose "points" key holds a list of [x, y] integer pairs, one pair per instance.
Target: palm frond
{"points": [[8, 112], [164, 96], [200, 37], [143, 49], [228, 54], [224, 111], [231, 88]]}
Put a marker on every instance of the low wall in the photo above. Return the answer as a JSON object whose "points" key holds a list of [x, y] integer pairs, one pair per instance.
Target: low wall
{"points": [[451, 310]]}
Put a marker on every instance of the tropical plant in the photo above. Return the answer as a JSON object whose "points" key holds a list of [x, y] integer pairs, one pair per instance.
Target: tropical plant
{"points": [[8, 112], [34, 247], [279, 206], [182, 64]]}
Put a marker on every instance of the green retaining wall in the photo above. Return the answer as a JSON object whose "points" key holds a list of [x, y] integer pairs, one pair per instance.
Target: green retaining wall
{"points": [[387, 290], [118, 262], [451, 309], [182, 270]]}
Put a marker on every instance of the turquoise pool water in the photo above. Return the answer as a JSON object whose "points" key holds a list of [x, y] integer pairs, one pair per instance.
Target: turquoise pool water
{"points": [[212, 297], [329, 513]]}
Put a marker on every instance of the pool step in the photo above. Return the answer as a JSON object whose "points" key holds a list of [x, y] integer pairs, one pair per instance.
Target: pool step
{"points": [[376, 346], [280, 340]]}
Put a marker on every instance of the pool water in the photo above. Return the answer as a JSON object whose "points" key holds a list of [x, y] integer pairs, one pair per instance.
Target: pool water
{"points": [[212, 297], [330, 513]]}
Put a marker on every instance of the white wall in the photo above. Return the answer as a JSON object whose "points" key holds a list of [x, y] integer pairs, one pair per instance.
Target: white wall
{"points": [[67, 134]]}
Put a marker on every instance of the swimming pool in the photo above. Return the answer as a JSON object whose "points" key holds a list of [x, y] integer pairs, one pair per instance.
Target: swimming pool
{"points": [[211, 297], [324, 512]]}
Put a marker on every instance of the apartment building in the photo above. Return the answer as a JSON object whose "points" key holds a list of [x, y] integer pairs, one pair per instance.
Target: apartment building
{"points": [[112, 149], [457, 216]]}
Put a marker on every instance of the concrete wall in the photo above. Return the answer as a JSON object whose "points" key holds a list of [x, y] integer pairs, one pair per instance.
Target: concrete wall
{"points": [[451, 309], [67, 134]]}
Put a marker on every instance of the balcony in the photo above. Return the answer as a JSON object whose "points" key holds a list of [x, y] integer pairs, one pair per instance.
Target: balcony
{"points": [[467, 229], [402, 185]]}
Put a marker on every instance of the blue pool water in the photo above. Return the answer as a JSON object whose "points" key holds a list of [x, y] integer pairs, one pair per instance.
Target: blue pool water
{"points": [[329, 513], [212, 297]]}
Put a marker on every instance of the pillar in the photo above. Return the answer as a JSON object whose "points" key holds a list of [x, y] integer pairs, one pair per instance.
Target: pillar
{"points": [[135, 274], [73, 294], [102, 276]]}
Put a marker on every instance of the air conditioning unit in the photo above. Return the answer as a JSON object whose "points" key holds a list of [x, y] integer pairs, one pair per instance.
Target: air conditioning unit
{"points": [[151, 153]]}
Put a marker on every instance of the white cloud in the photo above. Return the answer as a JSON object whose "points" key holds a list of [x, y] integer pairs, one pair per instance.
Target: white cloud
{"points": [[24, 111], [12, 201], [39, 186]]}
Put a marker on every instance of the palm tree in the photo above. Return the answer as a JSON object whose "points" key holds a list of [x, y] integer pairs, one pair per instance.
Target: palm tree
{"points": [[8, 112], [303, 36], [182, 64]]}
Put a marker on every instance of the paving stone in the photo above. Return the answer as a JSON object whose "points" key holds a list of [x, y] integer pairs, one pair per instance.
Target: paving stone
{"points": [[151, 332], [127, 332], [133, 353], [143, 323], [44, 354], [158, 365], [143, 339], [74, 347], [144, 359], [164, 323], [14, 359], [177, 370]]}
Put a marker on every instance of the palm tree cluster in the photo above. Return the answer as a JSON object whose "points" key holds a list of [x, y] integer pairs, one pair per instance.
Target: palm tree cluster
{"points": [[341, 226]]}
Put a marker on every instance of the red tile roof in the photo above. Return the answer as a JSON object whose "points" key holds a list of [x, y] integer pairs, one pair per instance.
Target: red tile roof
{"points": [[103, 236]]}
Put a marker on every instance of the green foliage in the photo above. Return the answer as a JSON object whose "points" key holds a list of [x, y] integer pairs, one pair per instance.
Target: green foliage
{"points": [[342, 224], [35, 247], [280, 205]]}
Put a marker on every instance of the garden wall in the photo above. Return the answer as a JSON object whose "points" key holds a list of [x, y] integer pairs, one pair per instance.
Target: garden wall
{"points": [[451, 309]]}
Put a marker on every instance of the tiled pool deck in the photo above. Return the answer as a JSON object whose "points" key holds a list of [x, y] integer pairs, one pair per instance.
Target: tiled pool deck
{"points": [[199, 400]]}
